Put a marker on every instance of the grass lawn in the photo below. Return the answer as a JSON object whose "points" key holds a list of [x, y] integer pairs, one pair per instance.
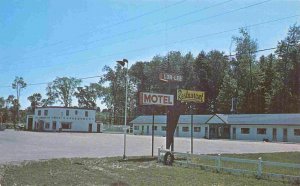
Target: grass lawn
{"points": [[134, 171]]}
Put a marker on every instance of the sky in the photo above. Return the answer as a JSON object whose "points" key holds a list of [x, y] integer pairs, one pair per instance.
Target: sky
{"points": [[44, 39]]}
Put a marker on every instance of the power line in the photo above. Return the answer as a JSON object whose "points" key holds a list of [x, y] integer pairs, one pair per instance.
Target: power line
{"points": [[129, 31], [115, 24], [261, 50], [46, 83], [145, 26], [190, 39], [91, 77]]}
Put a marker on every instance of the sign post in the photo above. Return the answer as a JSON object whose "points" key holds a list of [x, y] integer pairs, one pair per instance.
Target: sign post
{"points": [[147, 98], [172, 113], [192, 97], [192, 127], [152, 132]]}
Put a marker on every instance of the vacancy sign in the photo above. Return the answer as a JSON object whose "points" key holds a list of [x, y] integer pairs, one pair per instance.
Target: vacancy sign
{"points": [[190, 96], [147, 98]]}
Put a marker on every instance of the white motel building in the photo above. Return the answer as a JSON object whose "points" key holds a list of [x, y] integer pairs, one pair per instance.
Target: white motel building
{"points": [[63, 119], [259, 127]]}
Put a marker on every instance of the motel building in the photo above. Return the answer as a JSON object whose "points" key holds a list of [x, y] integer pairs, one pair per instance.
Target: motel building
{"points": [[63, 119], [252, 127]]}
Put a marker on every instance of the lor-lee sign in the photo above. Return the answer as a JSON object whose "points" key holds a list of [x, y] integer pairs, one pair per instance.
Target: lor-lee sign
{"points": [[147, 98], [190, 96], [170, 77]]}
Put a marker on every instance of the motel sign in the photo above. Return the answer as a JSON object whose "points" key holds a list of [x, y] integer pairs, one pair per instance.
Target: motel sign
{"points": [[190, 96], [147, 98]]}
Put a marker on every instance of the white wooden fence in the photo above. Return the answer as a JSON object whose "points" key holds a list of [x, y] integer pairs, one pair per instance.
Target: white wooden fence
{"points": [[260, 168]]}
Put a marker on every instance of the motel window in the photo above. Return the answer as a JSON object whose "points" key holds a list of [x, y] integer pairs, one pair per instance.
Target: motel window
{"points": [[155, 127], [67, 112], [66, 125], [296, 132], [54, 125], [185, 129], [136, 127], [45, 112], [163, 128], [261, 131], [197, 129], [76, 112], [245, 130], [86, 113], [39, 112], [47, 125]]}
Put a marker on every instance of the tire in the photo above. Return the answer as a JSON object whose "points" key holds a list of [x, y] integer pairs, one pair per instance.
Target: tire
{"points": [[168, 159]]}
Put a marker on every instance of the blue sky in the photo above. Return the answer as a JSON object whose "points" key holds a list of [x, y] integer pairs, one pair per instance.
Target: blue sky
{"points": [[41, 40]]}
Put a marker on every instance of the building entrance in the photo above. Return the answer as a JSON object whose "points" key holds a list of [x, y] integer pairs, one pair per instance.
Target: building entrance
{"points": [[219, 131]]}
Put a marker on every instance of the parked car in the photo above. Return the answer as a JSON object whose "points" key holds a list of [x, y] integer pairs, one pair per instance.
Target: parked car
{"points": [[20, 126]]}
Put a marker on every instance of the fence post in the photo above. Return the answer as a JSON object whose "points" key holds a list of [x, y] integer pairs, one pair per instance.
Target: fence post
{"points": [[158, 155], [187, 158], [219, 163], [259, 167]]}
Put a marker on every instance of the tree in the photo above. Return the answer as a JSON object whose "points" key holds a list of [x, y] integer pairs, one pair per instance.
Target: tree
{"points": [[113, 94], [244, 70], [2, 109], [266, 78], [227, 91], [18, 84], [87, 95], [51, 96], [35, 101], [216, 66], [287, 93], [62, 90], [9, 101], [2, 102]]}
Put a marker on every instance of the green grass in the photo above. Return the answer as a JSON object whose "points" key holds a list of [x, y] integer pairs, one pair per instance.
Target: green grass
{"points": [[134, 171]]}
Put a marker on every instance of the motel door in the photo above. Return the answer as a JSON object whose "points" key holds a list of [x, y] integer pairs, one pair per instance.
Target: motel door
{"points": [[147, 129], [274, 134], [233, 133], [90, 127], [30, 121], [285, 135], [206, 132], [98, 128]]}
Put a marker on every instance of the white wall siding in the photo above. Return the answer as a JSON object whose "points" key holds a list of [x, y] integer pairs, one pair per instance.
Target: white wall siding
{"points": [[140, 131], [217, 123], [291, 136], [76, 117], [159, 132], [269, 133]]}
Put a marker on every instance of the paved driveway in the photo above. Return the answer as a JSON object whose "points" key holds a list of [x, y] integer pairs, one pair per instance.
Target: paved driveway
{"points": [[17, 146]]}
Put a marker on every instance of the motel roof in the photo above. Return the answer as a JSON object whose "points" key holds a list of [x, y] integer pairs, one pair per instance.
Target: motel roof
{"points": [[158, 119], [232, 119], [162, 119], [61, 107], [264, 119]]}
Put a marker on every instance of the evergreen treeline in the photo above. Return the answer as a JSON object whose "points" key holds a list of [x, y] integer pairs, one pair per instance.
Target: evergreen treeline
{"points": [[265, 84]]}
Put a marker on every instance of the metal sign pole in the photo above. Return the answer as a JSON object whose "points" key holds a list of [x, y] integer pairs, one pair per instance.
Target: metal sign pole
{"points": [[152, 132], [192, 127]]}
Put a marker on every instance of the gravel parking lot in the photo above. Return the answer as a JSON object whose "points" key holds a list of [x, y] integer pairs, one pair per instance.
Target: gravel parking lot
{"points": [[16, 146]]}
